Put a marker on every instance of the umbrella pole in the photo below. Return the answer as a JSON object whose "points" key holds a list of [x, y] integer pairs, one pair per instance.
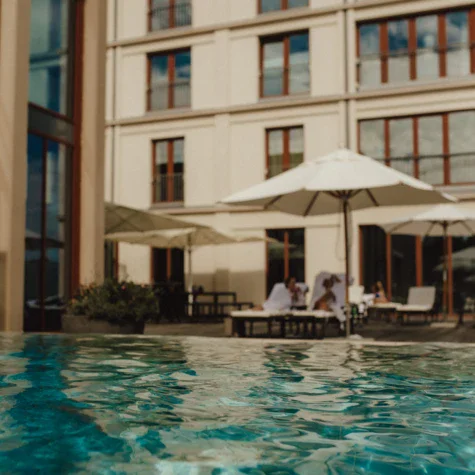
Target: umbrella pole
{"points": [[190, 278], [347, 265], [445, 297]]}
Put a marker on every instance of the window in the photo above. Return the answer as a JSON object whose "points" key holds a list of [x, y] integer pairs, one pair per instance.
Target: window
{"points": [[168, 265], [401, 262], [266, 6], [284, 149], [284, 65], [285, 258], [422, 47], [168, 158], [51, 37], [164, 14], [169, 80], [438, 149]]}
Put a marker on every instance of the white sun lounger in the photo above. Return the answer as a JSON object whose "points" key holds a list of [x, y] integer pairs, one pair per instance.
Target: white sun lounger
{"points": [[420, 301]]}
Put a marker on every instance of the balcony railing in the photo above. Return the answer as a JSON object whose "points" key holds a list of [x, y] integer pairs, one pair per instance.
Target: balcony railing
{"points": [[169, 95], [453, 169], [168, 188], [282, 81], [172, 16]]}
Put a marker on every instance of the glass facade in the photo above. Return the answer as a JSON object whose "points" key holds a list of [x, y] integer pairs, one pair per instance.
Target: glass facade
{"points": [[170, 80], [48, 255], [413, 261], [421, 47], [285, 65], [51, 41], [438, 149]]}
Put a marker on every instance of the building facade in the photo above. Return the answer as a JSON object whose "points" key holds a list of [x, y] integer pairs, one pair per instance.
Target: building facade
{"points": [[52, 89], [208, 97]]}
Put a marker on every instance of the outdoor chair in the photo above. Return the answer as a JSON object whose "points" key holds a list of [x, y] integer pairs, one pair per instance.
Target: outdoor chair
{"points": [[420, 302], [276, 307]]}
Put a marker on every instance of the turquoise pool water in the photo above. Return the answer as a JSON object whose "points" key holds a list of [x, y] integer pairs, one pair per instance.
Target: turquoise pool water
{"points": [[114, 405]]}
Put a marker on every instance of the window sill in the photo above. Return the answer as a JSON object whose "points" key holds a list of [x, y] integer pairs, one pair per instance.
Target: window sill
{"points": [[172, 28], [167, 205], [284, 97], [178, 110], [446, 81]]}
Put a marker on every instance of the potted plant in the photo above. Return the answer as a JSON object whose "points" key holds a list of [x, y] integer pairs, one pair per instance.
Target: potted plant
{"points": [[111, 307]]}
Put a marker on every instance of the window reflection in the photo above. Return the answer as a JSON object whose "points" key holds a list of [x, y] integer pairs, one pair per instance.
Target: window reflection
{"points": [[285, 149], [270, 5], [462, 146], [458, 56], [170, 77], [273, 69], [398, 62], [50, 57], [440, 47], [401, 146], [299, 77], [372, 138], [370, 63], [285, 65], [431, 162], [427, 54]]}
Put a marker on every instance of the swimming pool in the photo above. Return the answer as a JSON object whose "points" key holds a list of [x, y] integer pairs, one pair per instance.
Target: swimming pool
{"points": [[197, 406]]}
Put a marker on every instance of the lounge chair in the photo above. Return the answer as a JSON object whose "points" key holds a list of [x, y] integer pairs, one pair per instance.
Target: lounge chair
{"points": [[320, 317], [276, 307], [420, 302]]}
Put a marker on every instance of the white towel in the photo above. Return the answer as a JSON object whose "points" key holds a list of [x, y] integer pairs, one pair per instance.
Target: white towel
{"points": [[279, 299]]}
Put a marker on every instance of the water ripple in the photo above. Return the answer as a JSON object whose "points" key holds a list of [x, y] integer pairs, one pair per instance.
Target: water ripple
{"points": [[210, 406]]}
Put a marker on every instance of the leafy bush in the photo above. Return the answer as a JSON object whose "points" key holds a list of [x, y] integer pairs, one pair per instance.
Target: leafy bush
{"points": [[115, 302]]}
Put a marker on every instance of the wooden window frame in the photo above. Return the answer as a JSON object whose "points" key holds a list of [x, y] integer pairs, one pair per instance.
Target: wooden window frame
{"points": [[447, 299], [171, 68], [412, 50], [171, 16], [286, 243], [284, 5], [446, 155], [285, 39], [285, 148], [170, 171]]}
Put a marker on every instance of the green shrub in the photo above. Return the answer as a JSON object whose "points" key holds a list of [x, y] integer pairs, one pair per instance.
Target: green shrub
{"points": [[115, 302]]}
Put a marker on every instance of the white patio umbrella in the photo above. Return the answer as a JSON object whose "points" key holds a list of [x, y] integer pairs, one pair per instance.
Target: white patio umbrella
{"points": [[337, 183], [442, 220], [121, 219], [186, 239]]}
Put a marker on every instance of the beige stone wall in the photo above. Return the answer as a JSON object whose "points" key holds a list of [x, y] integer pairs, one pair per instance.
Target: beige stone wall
{"points": [[224, 129]]}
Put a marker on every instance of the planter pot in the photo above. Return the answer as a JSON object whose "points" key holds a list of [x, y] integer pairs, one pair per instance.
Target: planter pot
{"points": [[83, 324]]}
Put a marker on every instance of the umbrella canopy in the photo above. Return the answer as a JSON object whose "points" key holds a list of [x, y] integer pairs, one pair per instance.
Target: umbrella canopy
{"points": [[442, 220], [186, 239], [338, 182], [34, 242], [122, 219], [320, 186]]}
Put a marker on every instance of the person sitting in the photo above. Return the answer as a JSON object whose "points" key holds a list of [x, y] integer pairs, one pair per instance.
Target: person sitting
{"points": [[281, 297], [299, 296], [379, 293], [326, 301]]}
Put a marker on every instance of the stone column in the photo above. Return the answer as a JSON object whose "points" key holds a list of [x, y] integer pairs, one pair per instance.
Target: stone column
{"points": [[92, 143], [14, 66]]}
